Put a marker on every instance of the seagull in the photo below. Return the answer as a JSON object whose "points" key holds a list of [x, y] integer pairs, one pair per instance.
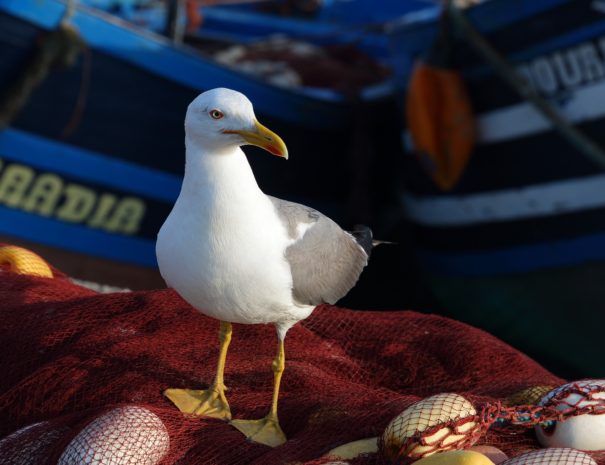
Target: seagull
{"points": [[240, 256]]}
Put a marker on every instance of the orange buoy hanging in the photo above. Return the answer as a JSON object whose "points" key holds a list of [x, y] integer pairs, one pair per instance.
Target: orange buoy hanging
{"points": [[440, 116], [441, 122]]}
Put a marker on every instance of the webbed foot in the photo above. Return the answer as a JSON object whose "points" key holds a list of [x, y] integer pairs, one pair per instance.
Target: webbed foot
{"points": [[210, 402], [265, 431]]}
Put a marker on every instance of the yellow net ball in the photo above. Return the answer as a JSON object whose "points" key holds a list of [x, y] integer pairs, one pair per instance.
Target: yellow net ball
{"points": [[23, 261]]}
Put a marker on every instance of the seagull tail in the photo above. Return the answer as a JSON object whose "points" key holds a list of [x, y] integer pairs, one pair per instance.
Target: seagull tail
{"points": [[363, 236]]}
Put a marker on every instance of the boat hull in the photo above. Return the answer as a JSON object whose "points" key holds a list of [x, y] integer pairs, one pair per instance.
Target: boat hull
{"points": [[93, 162], [518, 246], [526, 191]]}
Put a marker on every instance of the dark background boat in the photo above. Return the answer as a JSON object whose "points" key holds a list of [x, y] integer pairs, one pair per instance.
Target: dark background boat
{"points": [[93, 161], [518, 245]]}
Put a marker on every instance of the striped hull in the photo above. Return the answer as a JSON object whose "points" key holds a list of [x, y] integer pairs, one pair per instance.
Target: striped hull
{"points": [[527, 200], [518, 246]]}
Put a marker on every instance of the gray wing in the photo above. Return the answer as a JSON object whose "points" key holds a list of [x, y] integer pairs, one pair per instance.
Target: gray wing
{"points": [[326, 261]]}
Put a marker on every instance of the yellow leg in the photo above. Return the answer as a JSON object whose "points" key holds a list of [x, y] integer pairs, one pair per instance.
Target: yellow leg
{"points": [[210, 402], [267, 430]]}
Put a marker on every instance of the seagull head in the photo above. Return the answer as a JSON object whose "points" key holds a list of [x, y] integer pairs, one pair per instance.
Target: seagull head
{"points": [[222, 119]]}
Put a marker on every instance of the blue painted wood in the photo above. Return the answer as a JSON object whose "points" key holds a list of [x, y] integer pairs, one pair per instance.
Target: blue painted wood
{"points": [[247, 26], [367, 11], [410, 34], [77, 238], [183, 64], [562, 41], [99, 172], [88, 166]]}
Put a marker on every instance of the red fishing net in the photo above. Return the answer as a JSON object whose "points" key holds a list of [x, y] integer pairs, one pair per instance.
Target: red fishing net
{"points": [[83, 375]]}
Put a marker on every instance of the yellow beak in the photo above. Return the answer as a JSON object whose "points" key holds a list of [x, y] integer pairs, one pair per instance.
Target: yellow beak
{"points": [[264, 138]]}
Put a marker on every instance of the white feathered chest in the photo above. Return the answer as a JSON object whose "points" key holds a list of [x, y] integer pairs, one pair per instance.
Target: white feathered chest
{"points": [[222, 246]]}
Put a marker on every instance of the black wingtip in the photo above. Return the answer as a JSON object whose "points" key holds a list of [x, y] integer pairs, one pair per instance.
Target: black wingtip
{"points": [[363, 236]]}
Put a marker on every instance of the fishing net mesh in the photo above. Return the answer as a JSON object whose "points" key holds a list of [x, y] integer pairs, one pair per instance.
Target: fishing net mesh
{"points": [[83, 375], [555, 457]]}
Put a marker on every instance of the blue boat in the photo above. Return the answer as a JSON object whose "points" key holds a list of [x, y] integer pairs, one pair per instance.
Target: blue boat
{"points": [[325, 22], [93, 161], [358, 21], [518, 245]]}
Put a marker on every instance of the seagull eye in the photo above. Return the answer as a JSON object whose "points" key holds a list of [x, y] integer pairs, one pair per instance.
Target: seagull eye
{"points": [[216, 114]]}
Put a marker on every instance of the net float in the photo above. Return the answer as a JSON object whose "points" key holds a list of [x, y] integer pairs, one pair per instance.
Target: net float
{"points": [[456, 457], [23, 261], [528, 396], [552, 456], [121, 436], [32, 441], [354, 449], [436, 424], [491, 452], [585, 431]]}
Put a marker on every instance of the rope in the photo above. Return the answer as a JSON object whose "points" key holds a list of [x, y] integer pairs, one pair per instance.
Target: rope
{"points": [[574, 399], [575, 137], [59, 47], [78, 111], [70, 9]]}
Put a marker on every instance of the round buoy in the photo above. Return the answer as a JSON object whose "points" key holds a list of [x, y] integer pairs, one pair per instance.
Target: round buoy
{"points": [[122, 436]]}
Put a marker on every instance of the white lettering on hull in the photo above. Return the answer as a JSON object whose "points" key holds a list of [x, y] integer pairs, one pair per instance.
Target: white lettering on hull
{"points": [[48, 195]]}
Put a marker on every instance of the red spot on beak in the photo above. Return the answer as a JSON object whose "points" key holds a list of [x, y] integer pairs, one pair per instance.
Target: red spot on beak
{"points": [[274, 150]]}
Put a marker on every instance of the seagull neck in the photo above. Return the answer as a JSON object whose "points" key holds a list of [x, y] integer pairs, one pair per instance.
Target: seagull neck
{"points": [[219, 172]]}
